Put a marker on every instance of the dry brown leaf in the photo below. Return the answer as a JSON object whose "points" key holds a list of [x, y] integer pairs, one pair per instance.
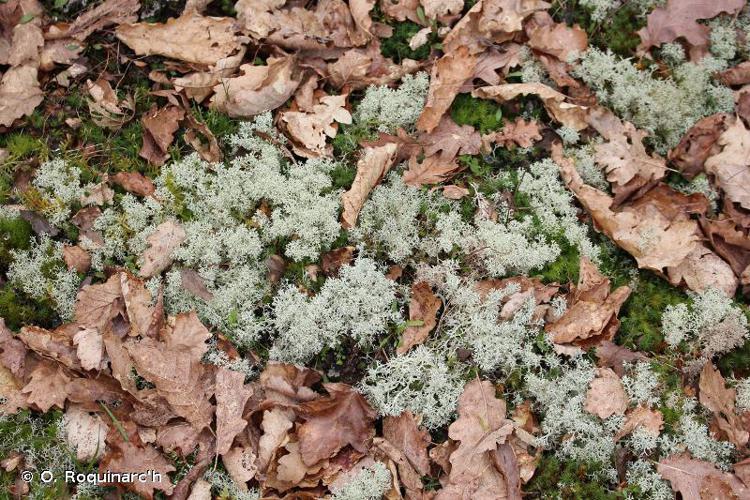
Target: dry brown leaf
{"points": [[108, 13], [678, 19], [556, 104], [641, 417], [606, 395], [520, 132], [191, 38], [720, 399], [592, 314], [408, 477], [258, 89], [371, 168], [698, 479], [423, 306], [311, 129], [288, 384], [736, 75], [623, 158], [449, 74], [90, 348], [133, 182], [99, 194], [359, 68], [276, 425], [432, 170], [12, 351], [231, 396], [47, 387], [656, 229], [556, 39], [240, 464], [56, 344], [343, 418], [133, 456], [200, 137], [449, 139], [731, 167], [85, 433], [401, 10], [404, 433], [19, 94], [159, 126], [161, 243], [611, 355], [698, 144], [76, 258], [481, 426], [439, 9], [105, 108], [332, 261]]}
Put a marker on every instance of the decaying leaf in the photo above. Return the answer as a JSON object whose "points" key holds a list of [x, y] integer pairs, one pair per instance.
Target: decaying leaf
{"points": [[679, 19], [133, 182], [106, 109], [47, 387], [85, 433], [720, 399], [19, 93], [606, 395], [310, 130], [258, 89], [343, 418], [371, 168], [449, 140], [76, 258], [159, 126], [432, 170], [641, 417], [519, 132], [108, 13], [556, 39], [592, 313], [423, 308], [731, 167], [556, 104], [231, 396], [158, 256], [192, 38], [698, 479], [698, 144], [404, 433]]}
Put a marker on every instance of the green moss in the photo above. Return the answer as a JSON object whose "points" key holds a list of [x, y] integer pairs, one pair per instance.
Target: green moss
{"points": [[619, 33], [565, 268], [569, 479], [15, 234], [18, 310], [348, 138], [482, 114], [640, 317], [736, 362], [397, 46]]}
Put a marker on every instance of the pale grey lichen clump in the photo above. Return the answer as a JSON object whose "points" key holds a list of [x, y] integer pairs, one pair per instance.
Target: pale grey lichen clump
{"points": [[387, 109]]}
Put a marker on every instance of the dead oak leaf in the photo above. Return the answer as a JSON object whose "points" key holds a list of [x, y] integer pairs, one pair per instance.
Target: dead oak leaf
{"points": [[76, 258], [85, 433], [161, 243], [449, 74], [90, 348], [731, 167], [47, 387], [258, 89], [606, 395], [698, 144], [423, 306], [641, 417], [450, 139], [192, 38], [404, 433], [106, 109], [556, 103], [556, 39], [275, 425], [359, 68], [432, 170], [714, 395], [343, 418], [310, 130], [679, 19], [108, 13], [698, 479], [133, 182], [19, 93], [520, 132], [231, 396], [159, 126], [372, 166]]}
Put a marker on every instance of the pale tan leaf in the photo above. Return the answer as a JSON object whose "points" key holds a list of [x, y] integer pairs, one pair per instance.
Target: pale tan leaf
{"points": [[19, 94], [606, 395], [423, 307], [371, 168], [161, 243], [85, 433]]}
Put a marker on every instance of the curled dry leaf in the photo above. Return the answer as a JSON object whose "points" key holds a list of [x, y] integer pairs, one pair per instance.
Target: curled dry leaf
{"points": [[432, 170], [657, 230], [108, 13], [47, 387], [611, 355], [481, 426], [258, 89], [404, 433], [641, 417], [592, 314], [606, 395], [449, 140], [556, 104], [310, 130], [159, 126], [343, 418], [423, 307], [371, 168], [76, 258], [449, 74], [720, 399], [191, 38], [679, 19], [105, 108], [359, 68], [731, 167], [161, 243], [133, 182], [231, 396], [736, 75], [698, 144]]}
